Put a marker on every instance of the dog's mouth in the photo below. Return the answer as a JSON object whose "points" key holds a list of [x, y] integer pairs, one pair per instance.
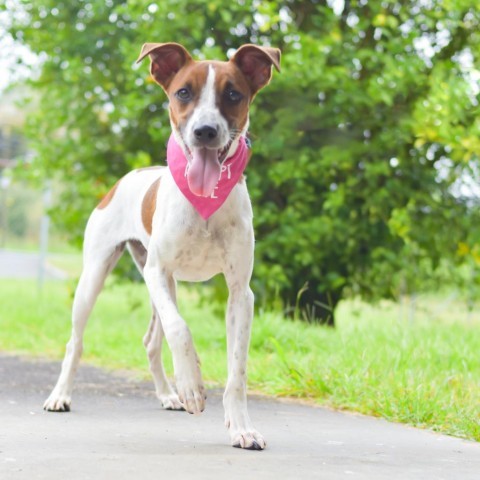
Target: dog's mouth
{"points": [[221, 152], [205, 165]]}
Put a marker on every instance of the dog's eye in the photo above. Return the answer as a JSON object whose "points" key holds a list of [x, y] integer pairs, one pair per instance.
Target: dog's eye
{"points": [[233, 96], [184, 95]]}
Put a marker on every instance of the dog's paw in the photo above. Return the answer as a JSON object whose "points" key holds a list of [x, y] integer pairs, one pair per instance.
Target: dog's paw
{"points": [[189, 385], [192, 397], [57, 403], [249, 440], [242, 433], [170, 401]]}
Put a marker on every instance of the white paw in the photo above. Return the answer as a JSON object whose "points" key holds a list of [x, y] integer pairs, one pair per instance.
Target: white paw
{"points": [[192, 396], [249, 440], [242, 433], [170, 401], [57, 403], [189, 384]]}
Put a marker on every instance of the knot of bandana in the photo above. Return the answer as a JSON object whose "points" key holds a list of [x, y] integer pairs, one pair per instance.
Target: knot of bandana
{"points": [[230, 173]]}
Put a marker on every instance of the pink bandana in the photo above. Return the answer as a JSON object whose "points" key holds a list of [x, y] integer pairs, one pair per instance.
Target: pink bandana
{"points": [[230, 173]]}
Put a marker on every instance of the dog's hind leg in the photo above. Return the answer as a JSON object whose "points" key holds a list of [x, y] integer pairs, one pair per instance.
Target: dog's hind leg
{"points": [[153, 344], [98, 263], [186, 364], [153, 340]]}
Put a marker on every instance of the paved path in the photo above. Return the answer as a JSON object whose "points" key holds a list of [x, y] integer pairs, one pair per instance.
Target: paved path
{"points": [[25, 265], [117, 430]]}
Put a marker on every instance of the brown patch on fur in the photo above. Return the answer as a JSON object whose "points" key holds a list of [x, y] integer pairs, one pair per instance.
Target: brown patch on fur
{"points": [[166, 59], [148, 205], [108, 197], [256, 63], [193, 76], [229, 77]]}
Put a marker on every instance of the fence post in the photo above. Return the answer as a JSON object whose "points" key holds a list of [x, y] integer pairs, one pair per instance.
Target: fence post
{"points": [[44, 228]]}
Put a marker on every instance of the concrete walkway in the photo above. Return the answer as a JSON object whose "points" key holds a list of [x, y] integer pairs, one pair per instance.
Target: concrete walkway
{"points": [[117, 430], [26, 265]]}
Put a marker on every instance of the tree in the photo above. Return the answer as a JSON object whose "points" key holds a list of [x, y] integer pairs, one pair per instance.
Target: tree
{"points": [[361, 145]]}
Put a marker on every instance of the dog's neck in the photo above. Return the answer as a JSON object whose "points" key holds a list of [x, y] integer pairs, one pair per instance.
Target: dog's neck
{"points": [[230, 174]]}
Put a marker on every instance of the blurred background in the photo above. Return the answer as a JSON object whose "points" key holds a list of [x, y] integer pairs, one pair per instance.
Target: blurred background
{"points": [[365, 174]]}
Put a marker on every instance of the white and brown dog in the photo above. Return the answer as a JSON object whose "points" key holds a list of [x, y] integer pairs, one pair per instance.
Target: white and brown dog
{"points": [[171, 237]]}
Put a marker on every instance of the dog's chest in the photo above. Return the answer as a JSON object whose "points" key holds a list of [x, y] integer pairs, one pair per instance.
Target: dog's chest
{"points": [[193, 249], [200, 252]]}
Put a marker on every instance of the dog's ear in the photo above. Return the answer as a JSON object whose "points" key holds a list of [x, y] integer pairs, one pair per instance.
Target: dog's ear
{"points": [[256, 64], [166, 59]]}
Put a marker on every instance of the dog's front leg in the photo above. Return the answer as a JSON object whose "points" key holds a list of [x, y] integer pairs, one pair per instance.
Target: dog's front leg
{"points": [[239, 321], [188, 378]]}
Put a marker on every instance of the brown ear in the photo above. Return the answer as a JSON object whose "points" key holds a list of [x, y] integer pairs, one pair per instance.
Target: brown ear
{"points": [[256, 64], [166, 59]]}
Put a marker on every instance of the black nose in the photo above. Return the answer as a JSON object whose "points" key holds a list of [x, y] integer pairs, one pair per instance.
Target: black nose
{"points": [[205, 134]]}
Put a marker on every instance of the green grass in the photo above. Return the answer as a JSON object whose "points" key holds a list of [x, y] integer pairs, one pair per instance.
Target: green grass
{"points": [[56, 244], [68, 262], [424, 372]]}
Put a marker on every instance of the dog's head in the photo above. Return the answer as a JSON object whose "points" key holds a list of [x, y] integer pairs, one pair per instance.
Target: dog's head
{"points": [[209, 102]]}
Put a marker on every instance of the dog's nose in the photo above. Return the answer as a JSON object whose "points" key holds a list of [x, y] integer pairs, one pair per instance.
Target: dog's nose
{"points": [[205, 134]]}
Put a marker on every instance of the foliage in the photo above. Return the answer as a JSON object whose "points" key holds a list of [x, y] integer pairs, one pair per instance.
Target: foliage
{"points": [[363, 145], [424, 373], [19, 207], [17, 221]]}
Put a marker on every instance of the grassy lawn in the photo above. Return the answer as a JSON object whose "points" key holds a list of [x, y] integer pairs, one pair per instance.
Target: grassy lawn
{"points": [[424, 372]]}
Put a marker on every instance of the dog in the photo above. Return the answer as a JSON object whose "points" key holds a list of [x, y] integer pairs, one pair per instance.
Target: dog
{"points": [[183, 222]]}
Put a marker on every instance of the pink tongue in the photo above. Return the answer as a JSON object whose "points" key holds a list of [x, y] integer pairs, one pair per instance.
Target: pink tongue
{"points": [[204, 172]]}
